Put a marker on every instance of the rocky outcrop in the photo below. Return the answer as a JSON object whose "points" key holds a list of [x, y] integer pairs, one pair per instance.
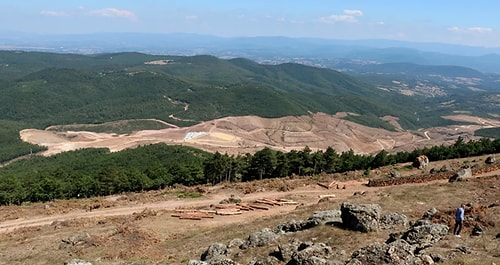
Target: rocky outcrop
{"points": [[214, 251], [390, 221], [313, 254], [490, 160], [402, 248], [461, 175], [429, 213], [294, 226], [421, 162], [424, 234], [259, 239], [361, 217], [397, 252], [410, 246], [327, 216]]}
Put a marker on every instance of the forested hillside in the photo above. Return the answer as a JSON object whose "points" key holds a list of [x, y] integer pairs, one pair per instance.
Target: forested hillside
{"points": [[96, 172]]}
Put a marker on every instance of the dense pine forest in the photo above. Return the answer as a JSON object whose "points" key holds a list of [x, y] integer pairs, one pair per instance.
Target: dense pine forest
{"points": [[96, 172]]}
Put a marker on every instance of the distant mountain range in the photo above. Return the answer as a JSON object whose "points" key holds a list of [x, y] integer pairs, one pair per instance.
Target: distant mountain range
{"points": [[272, 50]]}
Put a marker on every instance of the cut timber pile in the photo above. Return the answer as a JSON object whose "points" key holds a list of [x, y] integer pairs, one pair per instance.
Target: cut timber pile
{"points": [[426, 177], [230, 209], [192, 214]]}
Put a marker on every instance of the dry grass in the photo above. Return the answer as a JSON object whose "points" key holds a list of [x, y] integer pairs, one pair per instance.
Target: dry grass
{"points": [[154, 237]]}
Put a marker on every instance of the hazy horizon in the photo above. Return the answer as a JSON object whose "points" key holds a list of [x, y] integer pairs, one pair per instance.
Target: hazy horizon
{"points": [[449, 22]]}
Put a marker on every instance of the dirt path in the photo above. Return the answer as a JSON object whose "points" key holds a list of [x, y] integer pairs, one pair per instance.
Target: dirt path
{"points": [[308, 195]]}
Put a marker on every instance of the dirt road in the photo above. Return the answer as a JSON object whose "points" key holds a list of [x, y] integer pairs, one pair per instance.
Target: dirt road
{"points": [[308, 195]]}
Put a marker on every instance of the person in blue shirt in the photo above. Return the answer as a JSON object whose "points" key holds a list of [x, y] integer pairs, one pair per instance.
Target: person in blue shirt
{"points": [[459, 220]]}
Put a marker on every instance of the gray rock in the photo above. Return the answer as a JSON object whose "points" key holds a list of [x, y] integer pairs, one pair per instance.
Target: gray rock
{"points": [[477, 230], [362, 217], [295, 226], [269, 260], [237, 242], [285, 251], [197, 262], [221, 260], [313, 254], [490, 160], [391, 220], [424, 234], [258, 239], [427, 260], [213, 251], [397, 252], [421, 162], [327, 216], [77, 262], [461, 175], [429, 213]]}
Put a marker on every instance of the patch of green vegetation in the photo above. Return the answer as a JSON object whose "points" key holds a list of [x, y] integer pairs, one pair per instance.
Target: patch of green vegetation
{"points": [[191, 195], [11, 144], [118, 127], [489, 132]]}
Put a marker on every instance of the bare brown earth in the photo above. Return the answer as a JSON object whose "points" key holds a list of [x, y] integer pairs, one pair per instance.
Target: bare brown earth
{"points": [[139, 228], [248, 134]]}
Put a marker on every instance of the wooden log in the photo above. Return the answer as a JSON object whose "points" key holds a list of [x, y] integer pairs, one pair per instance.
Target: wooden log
{"points": [[290, 202], [326, 196], [244, 207], [190, 217], [323, 185], [264, 202], [225, 206], [228, 212], [331, 184], [273, 202], [259, 207]]}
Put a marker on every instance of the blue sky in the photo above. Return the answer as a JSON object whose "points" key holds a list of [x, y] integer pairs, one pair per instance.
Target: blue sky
{"points": [[447, 21]]}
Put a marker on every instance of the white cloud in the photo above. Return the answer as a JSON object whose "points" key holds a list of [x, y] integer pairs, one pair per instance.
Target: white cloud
{"points": [[380, 23], [113, 12], [191, 17], [479, 29], [54, 13], [348, 16], [352, 12], [470, 29]]}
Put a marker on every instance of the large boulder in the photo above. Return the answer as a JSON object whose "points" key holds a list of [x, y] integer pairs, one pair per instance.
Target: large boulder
{"points": [[327, 216], [398, 252], [424, 234], [490, 160], [215, 250], [429, 213], [313, 254], [392, 220], [258, 239], [360, 217], [421, 162], [461, 175]]}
